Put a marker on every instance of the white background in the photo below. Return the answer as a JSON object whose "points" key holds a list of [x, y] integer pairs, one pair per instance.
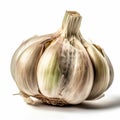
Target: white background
{"points": [[22, 19]]}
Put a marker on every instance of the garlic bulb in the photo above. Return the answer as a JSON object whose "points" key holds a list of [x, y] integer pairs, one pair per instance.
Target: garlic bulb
{"points": [[61, 68]]}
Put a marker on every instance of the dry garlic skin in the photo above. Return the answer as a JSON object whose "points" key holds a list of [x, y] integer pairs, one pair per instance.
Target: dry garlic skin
{"points": [[61, 68]]}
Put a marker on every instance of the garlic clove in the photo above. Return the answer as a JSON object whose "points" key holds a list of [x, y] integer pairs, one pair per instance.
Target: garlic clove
{"points": [[25, 76], [80, 73], [48, 73], [111, 71], [101, 71], [77, 89]]}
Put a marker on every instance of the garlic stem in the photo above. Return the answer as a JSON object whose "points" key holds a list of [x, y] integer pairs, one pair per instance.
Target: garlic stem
{"points": [[71, 24]]}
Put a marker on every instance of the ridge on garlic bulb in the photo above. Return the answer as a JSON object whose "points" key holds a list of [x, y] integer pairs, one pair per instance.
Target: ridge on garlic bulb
{"points": [[61, 68]]}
